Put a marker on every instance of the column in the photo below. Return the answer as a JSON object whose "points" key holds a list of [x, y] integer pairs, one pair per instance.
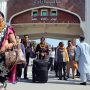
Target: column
{"points": [[86, 25]]}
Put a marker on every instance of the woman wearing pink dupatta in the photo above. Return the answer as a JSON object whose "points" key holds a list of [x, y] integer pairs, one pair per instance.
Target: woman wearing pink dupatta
{"points": [[12, 75], [7, 41]]}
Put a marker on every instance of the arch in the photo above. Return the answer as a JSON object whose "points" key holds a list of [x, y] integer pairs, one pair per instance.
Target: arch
{"points": [[45, 7], [35, 30]]}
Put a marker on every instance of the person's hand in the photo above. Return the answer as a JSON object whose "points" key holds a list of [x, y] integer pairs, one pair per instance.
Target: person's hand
{"points": [[67, 62], [42, 54], [3, 49]]}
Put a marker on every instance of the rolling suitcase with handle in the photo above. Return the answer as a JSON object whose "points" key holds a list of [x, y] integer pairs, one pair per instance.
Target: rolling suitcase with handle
{"points": [[40, 71]]}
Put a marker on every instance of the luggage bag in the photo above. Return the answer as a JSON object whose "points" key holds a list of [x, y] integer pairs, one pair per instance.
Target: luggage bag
{"points": [[40, 71]]}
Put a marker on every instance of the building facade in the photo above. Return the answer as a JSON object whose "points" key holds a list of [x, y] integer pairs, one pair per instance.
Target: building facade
{"points": [[58, 19]]}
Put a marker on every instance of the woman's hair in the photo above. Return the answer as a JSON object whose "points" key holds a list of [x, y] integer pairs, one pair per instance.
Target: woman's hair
{"points": [[69, 41], [61, 44], [42, 38], [82, 38], [1, 14]]}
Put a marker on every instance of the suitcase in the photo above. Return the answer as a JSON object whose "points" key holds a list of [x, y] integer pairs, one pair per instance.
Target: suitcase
{"points": [[40, 71]]}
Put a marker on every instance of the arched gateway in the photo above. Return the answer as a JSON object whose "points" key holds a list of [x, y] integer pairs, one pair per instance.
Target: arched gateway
{"points": [[59, 19]]}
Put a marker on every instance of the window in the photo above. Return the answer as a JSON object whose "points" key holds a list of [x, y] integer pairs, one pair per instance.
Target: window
{"points": [[35, 13], [44, 13], [53, 13]]}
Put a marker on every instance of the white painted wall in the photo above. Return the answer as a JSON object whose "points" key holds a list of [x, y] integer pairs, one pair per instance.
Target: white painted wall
{"points": [[86, 25], [3, 8]]}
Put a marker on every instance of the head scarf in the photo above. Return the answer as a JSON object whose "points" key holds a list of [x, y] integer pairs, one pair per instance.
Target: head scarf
{"points": [[2, 25]]}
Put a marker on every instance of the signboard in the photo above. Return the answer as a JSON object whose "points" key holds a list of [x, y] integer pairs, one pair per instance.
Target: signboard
{"points": [[40, 2]]}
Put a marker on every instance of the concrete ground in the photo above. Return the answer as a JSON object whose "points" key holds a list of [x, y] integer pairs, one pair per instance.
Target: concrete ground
{"points": [[52, 84]]}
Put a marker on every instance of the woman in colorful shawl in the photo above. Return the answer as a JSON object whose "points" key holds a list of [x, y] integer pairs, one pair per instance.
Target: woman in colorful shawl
{"points": [[62, 59], [7, 41]]}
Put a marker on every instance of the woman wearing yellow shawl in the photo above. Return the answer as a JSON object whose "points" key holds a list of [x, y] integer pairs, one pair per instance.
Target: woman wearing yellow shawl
{"points": [[62, 59]]}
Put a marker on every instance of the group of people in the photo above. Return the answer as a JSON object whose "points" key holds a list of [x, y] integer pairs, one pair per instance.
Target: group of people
{"points": [[63, 58], [16, 72], [74, 57], [8, 41]]}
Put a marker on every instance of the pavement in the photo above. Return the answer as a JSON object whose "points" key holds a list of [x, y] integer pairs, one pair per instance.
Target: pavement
{"points": [[52, 84]]}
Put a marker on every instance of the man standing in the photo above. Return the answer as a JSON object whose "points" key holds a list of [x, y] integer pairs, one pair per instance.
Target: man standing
{"points": [[83, 57], [28, 51], [62, 59], [42, 50], [51, 59], [71, 53]]}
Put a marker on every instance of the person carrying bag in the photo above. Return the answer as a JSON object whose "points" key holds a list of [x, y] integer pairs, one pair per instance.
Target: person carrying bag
{"points": [[7, 41]]}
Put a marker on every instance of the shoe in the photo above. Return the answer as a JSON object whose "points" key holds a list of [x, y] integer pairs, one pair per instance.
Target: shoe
{"points": [[56, 75], [26, 78], [5, 84], [18, 79], [73, 77], [77, 75], [67, 76], [65, 79], [83, 83], [14, 82], [60, 79]]}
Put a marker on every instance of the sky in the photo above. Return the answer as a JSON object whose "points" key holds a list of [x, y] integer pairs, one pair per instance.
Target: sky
{"points": [[55, 42]]}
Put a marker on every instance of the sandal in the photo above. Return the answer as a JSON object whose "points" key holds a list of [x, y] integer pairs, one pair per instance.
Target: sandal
{"points": [[5, 84]]}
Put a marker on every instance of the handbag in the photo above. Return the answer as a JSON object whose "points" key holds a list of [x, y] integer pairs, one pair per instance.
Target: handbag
{"points": [[10, 57], [20, 57], [75, 65]]}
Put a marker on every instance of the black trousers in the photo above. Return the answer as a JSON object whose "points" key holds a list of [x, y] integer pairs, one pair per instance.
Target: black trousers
{"points": [[26, 66], [62, 65], [19, 70], [56, 68]]}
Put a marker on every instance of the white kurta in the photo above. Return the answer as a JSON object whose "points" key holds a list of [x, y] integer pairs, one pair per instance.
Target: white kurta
{"points": [[83, 57]]}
